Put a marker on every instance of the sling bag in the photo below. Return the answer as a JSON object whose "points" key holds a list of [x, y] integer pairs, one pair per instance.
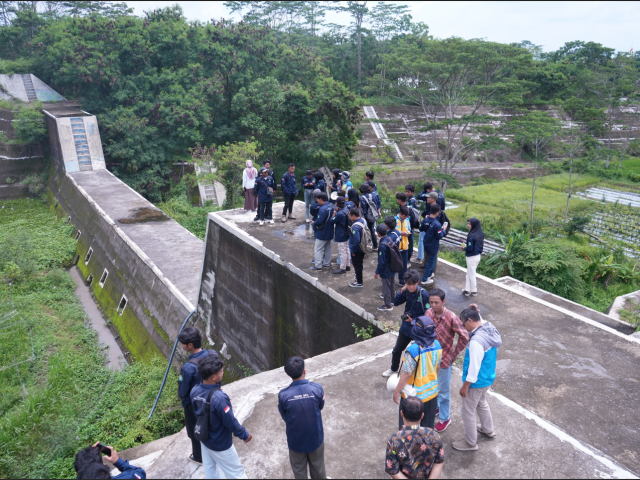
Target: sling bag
{"points": [[201, 430]]}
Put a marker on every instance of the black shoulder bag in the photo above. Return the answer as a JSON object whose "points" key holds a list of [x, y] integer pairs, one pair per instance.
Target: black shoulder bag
{"points": [[201, 430]]}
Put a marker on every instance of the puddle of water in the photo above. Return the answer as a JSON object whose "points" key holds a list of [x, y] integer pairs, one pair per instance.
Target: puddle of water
{"points": [[144, 215], [302, 232]]}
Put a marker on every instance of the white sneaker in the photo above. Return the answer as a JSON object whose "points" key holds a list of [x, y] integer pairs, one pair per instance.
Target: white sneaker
{"points": [[308, 221], [428, 282], [261, 222], [270, 221], [388, 373]]}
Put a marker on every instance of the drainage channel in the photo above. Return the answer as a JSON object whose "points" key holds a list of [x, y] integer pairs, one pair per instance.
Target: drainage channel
{"points": [[105, 337]]}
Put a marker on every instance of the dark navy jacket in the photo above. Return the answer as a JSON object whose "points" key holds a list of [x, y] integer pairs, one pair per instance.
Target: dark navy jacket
{"points": [[356, 235], [384, 258], [472, 248], [433, 233], [422, 196], [288, 183], [260, 188], [189, 378], [313, 210], [395, 236], [348, 204], [412, 202], [322, 186], [129, 471], [341, 223], [300, 405], [323, 227], [306, 180], [413, 306], [364, 205], [222, 422]]}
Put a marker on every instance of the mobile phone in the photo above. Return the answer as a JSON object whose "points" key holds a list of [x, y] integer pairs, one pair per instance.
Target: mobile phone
{"points": [[104, 449]]}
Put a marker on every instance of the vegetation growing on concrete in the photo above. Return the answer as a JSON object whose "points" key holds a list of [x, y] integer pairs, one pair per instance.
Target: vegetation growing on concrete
{"points": [[72, 398]]}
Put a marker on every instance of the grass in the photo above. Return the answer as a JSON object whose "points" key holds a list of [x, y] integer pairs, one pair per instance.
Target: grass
{"points": [[72, 399], [631, 165]]}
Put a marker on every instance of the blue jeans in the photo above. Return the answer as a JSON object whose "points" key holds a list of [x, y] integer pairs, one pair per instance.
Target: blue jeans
{"points": [[308, 200], [431, 264], [421, 246], [217, 463], [405, 257], [444, 393]]}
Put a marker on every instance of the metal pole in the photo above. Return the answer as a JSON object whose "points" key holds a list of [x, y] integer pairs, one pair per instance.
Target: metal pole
{"points": [[175, 345]]}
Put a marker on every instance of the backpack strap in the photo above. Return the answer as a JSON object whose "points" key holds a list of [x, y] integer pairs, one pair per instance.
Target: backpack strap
{"points": [[421, 298], [195, 361]]}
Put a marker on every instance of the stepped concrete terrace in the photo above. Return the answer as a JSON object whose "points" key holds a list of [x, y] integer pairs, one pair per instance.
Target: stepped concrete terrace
{"points": [[565, 400]]}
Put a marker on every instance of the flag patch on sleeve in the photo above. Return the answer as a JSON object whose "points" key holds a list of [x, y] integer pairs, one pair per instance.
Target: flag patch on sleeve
{"points": [[226, 410]]}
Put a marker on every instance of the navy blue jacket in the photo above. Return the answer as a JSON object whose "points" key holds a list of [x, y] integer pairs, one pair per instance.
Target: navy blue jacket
{"points": [[189, 378], [433, 233], [415, 305], [341, 223], [422, 196], [412, 202], [322, 226], [473, 248], [356, 235], [222, 422], [129, 471], [322, 186], [306, 180], [260, 188], [313, 210], [288, 183], [384, 258], [364, 205], [348, 204], [300, 405]]}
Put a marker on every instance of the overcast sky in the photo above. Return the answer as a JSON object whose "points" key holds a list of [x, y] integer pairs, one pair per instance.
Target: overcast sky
{"points": [[550, 24]]}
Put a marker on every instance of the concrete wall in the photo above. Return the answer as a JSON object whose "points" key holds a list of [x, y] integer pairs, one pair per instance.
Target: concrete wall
{"points": [[153, 315], [267, 310]]}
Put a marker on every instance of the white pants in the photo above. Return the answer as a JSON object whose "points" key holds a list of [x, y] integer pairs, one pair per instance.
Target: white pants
{"points": [[472, 265], [217, 463]]}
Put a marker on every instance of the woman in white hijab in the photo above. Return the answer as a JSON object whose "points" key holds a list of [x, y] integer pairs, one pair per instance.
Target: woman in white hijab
{"points": [[248, 182]]}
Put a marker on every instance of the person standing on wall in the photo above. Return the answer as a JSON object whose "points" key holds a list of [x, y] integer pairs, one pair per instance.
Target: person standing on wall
{"points": [[300, 406], [265, 189], [341, 222], [289, 190], [473, 252], [478, 374], [308, 186], [415, 451], [403, 227], [420, 370], [416, 300], [266, 164], [323, 230], [190, 340], [249, 176], [448, 325], [358, 226], [219, 456], [433, 233], [383, 271]]}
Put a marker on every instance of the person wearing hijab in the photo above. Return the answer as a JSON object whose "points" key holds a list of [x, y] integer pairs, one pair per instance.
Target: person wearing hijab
{"points": [[473, 251], [419, 369], [353, 199], [346, 184], [248, 182]]}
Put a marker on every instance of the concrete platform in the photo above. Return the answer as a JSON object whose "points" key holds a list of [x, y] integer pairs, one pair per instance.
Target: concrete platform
{"points": [[359, 417], [569, 370]]}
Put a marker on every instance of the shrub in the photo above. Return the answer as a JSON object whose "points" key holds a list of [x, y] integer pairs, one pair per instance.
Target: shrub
{"points": [[29, 126]]}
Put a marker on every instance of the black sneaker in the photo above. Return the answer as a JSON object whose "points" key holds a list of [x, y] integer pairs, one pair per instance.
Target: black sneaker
{"points": [[348, 269], [465, 293], [356, 284], [339, 271], [191, 459]]}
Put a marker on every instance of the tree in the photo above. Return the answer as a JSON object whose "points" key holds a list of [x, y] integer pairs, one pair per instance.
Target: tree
{"points": [[458, 84], [535, 130], [359, 11], [225, 164]]}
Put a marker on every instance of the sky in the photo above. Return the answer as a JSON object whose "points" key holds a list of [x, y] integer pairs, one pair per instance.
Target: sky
{"points": [[550, 24]]}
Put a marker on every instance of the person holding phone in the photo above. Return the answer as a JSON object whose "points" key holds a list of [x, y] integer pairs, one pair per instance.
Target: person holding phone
{"points": [[89, 463]]}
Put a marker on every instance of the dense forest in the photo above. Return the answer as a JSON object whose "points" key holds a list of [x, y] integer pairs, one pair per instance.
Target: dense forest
{"points": [[285, 84]]}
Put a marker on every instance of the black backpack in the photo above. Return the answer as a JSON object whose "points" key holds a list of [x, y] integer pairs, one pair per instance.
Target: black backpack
{"points": [[201, 430], [196, 361], [395, 258]]}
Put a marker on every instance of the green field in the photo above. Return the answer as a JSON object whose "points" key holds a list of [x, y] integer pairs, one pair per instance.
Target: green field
{"points": [[72, 398]]}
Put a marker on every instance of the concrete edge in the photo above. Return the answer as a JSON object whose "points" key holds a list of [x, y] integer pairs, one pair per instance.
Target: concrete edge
{"points": [[619, 303], [593, 323], [138, 251], [255, 243], [566, 300]]}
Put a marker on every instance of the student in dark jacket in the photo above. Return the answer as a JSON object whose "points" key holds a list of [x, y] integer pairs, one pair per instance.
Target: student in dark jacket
{"points": [[308, 186], [409, 191], [191, 342], [383, 271], [473, 252], [300, 406], [369, 178], [353, 199], [433, 232], [428, 188], [323, 230], [368, 202], [341, 222], [89, 464], [416, 302], [289, 190], [320, 182], [357, 255], [265, 188], [218, 453]]}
